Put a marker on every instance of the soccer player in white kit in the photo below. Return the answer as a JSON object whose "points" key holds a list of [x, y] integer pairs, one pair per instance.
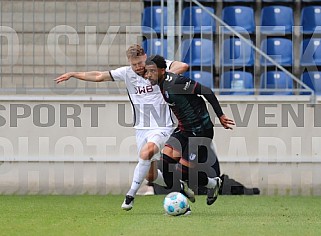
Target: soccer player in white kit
{"points": [[153, 121]]}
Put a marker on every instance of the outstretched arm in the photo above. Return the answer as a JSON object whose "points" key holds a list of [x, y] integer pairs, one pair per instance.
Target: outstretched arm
{"points": [[178, 67], [93, 76], [211, 98]]}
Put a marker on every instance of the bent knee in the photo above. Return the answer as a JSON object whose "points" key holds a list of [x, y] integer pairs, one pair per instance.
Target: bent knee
{"points": [[148, 151]]}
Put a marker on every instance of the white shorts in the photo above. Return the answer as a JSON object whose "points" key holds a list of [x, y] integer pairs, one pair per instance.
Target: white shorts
{"points": [[158, 136]]}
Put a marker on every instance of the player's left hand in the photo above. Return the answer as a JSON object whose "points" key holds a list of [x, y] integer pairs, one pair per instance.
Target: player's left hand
{"points": [[62, 78], [226, 122]]}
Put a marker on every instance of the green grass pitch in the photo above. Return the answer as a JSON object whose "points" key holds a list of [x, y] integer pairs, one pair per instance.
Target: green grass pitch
{"points": [[102, 215]]}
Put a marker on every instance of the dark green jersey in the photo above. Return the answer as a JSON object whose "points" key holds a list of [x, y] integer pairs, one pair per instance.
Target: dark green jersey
{"points": [[182, 95]]}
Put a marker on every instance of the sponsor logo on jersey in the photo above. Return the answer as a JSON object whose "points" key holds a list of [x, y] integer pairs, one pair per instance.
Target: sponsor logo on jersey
{"points": [[143, 89], [187, 85]]}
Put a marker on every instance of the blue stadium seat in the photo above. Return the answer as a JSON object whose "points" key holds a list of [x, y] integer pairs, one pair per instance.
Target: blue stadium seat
{"points": [[278, 80], [198, 52], [311, 52], [311, 19], [153, 19], [236, 52], [203, 77], [196, 20], [313, 80], [237, 81], [155, 46], [277, 20], [241, 18], [279, 49]]}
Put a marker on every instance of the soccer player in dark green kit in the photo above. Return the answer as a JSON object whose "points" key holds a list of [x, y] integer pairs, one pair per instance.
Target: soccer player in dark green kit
{"points": [[190, 144]]}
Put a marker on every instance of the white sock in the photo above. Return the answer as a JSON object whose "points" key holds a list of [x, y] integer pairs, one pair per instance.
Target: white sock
{"points": [[140, 172], [160, 179], [211, 183]]}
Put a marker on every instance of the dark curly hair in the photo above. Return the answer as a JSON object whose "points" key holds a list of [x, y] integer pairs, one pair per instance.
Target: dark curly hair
{"points": [[157, 60]]}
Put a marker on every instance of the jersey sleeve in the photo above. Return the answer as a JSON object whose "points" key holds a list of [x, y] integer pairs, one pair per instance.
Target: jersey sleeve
{"points": [[210, 97], [118, 74]]}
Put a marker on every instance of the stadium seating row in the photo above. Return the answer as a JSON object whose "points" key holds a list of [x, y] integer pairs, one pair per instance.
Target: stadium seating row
{"points": [[237, 52], [271, 82], [274, 19], [275, 22]]}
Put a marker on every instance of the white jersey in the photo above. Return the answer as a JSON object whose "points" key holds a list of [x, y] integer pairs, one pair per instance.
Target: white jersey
{"points": [[149, 107]]}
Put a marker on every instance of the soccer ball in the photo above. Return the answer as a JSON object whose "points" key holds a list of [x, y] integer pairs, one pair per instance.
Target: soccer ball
{"points": [[175, 204]]}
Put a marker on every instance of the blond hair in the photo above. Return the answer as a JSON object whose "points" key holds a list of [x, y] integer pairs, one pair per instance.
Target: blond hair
{"points": [[135, 50]]}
